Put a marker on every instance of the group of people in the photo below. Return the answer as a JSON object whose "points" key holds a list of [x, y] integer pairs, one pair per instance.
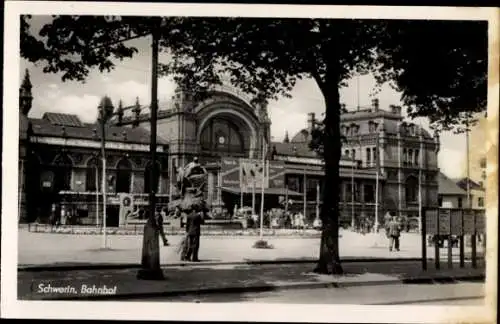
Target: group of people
{"points": [[190, 245]]}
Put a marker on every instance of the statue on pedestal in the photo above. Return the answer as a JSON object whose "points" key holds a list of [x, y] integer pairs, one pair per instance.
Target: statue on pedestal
{"points": [[191, 181]]}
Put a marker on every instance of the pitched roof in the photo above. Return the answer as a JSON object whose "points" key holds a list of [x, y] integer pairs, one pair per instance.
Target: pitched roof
{"points": [[294, 149], [63, 119], [449, 187], [301, 137], [462, 183], [50, 125]]}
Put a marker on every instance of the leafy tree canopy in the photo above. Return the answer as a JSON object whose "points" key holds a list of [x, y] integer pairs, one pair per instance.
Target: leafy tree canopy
{"points": [[439, 67]]}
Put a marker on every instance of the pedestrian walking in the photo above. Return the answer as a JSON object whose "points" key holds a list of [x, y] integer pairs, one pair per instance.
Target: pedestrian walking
{"points": [[394, 233], [193, 231], [161, 232]]}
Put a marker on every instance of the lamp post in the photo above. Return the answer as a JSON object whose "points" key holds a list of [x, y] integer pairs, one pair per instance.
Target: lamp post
{"points": [[105, 109]]}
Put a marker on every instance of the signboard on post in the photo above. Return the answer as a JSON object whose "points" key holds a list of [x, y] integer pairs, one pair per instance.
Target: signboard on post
{"points": [[468, 221], [431, 221], [456, 222], [480, 221], [444, 221]]}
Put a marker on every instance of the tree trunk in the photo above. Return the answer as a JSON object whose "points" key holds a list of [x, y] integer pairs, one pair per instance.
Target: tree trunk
{"points": [[329, 259], [150, 262]]}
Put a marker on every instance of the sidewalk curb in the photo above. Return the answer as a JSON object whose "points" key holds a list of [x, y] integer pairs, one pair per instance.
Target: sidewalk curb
{"points": [[124, 266], [270, 287]]}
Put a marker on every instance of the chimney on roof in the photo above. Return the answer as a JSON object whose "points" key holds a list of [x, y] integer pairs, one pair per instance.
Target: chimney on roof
{"points": [[311, 122], [375, 105], [63, 130]]}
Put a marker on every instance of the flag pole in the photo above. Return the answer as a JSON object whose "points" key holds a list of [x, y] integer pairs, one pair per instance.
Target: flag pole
{"points": [[253, 196], [97, 192]]}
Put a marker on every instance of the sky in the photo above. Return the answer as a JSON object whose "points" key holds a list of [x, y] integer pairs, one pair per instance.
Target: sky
{"points": [[131, 79]]}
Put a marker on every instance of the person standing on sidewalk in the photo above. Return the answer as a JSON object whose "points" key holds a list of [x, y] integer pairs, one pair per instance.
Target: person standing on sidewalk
{"points": [[193, 230], [394, 233], [159, 223]]}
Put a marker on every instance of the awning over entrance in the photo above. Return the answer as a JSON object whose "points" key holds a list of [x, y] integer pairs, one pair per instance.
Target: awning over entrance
{"points": [[267, 191]]}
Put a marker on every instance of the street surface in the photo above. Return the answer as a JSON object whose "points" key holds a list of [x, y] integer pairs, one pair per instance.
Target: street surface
{"points": [[52, 249], [468, 294]]}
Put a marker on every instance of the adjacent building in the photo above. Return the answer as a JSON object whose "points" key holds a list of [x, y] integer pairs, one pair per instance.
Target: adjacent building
{"points": [[61, 170]]}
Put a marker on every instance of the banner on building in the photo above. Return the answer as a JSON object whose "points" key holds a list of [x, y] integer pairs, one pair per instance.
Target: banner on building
{"points": [[253, 173], [240, 173]]}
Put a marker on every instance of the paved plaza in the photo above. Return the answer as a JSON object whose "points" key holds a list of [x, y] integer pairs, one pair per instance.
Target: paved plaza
{"points": [[37, 249]]}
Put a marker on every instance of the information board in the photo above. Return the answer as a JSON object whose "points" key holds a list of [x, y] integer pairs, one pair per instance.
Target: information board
{"points": [[431, 221], [456, 222], [480, 221], [444, 221], [468, 221]]}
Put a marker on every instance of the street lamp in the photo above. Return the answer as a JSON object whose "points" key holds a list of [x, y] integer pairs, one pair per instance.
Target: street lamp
{"points": [[105, 110]]}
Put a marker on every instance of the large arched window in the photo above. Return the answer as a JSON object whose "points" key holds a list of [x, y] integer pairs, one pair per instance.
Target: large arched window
{"points": [[93, 175], [62, 173], [123, 176], [147, 178], [411, 189], [222, 136]]}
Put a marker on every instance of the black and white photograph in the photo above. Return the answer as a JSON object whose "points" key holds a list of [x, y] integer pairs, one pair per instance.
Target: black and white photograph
{"points": [[303, 163]]}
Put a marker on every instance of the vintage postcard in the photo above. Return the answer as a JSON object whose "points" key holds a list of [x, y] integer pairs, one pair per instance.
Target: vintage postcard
{"points": [[303, 163]]}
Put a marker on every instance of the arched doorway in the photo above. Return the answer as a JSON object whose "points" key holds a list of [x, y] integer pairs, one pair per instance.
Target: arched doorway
{"points": [[123, 176], [148, 182], [93, 175], [62, 168], [223, 136]]}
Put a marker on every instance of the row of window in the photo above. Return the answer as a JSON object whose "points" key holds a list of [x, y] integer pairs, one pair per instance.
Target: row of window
{"points": [[121, 180], [460, 202], [353, 129], [295, 183], [370, 154]]}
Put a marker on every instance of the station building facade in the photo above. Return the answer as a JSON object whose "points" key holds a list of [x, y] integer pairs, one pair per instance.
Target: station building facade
{"points": [[226, 131], [231, 136]]}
